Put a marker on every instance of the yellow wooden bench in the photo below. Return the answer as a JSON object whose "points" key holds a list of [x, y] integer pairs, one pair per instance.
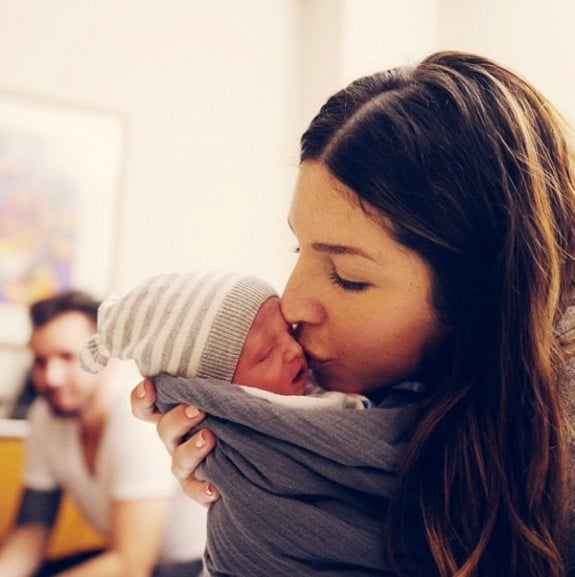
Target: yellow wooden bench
{"points": [[72, 532]]}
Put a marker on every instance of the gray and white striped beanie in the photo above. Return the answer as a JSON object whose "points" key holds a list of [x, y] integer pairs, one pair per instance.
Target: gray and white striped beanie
{"points": [[186, 325]]}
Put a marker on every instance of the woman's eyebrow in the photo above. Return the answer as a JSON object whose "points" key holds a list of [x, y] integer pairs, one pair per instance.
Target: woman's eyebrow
{"points": [[339, 249]]}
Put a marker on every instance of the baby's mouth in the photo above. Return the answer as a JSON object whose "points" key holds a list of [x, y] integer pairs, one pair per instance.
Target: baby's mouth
{"points": [[299, 375]]}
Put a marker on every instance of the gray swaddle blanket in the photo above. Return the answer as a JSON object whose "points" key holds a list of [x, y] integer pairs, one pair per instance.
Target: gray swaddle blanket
{"points": [[304, 491]]}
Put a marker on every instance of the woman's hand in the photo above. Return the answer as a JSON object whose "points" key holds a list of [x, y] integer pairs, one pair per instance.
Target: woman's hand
{"points": [[143, 400], [173, 428]]}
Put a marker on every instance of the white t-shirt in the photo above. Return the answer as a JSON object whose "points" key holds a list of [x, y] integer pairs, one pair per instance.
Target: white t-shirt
{"points": [[132, 463]]}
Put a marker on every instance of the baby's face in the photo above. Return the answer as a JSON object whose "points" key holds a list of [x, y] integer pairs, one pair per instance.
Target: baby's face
{"points": [[271, 358]]}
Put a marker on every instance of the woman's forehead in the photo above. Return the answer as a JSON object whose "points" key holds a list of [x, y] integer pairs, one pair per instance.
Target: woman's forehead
{"points": [[327, 214]]}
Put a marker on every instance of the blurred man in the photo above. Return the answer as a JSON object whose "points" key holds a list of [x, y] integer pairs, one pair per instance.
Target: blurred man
{"points": [[84, 440]]}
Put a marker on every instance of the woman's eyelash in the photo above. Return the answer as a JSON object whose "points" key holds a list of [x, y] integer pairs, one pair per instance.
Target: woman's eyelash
{"points": [[347, 285]]}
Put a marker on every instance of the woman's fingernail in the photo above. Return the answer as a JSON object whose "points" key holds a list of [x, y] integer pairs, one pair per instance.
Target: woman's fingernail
{"points": [[192, 412], [209, 490], [140, 390], [200, 440]]}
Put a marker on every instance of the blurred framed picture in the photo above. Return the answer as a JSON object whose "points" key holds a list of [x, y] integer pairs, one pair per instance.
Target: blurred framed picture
{"points": [[60, 176]]}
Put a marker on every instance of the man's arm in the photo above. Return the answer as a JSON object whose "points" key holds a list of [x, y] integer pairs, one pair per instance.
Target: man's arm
{"points": [[136, 535], [23, 550]]}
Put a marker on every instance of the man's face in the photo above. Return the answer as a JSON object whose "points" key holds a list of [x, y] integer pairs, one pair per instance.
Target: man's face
{"points": [[56, 370]]}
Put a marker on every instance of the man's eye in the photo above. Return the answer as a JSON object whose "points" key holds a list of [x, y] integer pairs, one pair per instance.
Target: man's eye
{"points": [[348, 285]]}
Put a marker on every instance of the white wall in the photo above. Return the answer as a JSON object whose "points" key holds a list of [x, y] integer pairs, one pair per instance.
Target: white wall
{"points": [[379, 34], [216, 95], [534, 37], [340, 40], [203, 86], [217, 92]]}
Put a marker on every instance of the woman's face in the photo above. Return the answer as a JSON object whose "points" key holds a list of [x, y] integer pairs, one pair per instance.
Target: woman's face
{"points": [[362, 302]]}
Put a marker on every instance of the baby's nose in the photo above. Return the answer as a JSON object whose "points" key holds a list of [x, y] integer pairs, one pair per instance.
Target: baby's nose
{"points": [[293, 349]]}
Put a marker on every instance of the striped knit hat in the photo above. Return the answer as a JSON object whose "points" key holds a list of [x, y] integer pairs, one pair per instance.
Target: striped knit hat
{"points": [[182, 324]]}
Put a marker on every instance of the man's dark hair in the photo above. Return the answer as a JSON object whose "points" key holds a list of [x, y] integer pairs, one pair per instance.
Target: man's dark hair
{"points": [[43, 311]]}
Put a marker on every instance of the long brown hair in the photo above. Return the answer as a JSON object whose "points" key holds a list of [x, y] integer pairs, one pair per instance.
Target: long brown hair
{"points": [[473, 168]]}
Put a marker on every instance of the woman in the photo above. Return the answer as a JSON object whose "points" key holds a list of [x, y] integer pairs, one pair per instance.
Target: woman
{"points": [[435, 216]]}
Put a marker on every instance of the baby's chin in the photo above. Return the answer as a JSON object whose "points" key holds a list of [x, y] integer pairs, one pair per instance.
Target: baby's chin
{"points": [[287, 389]]}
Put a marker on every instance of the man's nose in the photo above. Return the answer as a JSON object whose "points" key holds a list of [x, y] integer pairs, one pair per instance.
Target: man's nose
{"points": [[54, 373]]}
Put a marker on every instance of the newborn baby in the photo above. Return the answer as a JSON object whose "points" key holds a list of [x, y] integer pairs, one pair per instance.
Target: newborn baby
{"points": [[216, 325]]}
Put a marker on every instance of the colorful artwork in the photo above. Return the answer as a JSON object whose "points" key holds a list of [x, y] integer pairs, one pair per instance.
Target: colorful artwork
{"points": [[60, 167], [38, 220]]}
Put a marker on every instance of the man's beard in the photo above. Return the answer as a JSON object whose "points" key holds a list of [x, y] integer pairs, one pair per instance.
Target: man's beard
{"points": [[60, 412]]}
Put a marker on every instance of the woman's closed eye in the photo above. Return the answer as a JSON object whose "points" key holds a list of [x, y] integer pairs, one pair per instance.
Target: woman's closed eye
{"points": [[348, 285], [343, 283]]}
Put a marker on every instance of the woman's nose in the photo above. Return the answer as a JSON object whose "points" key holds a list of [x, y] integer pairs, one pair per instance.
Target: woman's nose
{"points": [[298, 303]]}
